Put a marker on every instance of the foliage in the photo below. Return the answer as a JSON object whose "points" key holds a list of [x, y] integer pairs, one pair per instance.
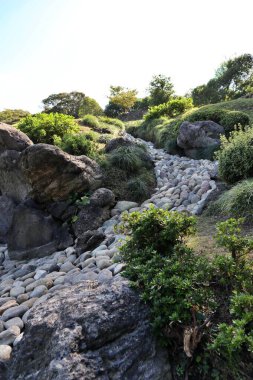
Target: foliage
{"points": [[236, 202], [229, 236], [9, 116], [44, 128], [109, 120], [72, 103], [228, 119], [89, 106], [160, 90], [236, 156], [126, 158], [91, 121], [121, 101], [173, 108], [234, 78], [139, 187], [78, 144], [193, 301]]}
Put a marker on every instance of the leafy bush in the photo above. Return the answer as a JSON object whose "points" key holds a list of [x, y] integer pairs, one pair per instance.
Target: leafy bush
{"points": [[173, 108], [44, 128], [91, 121], [138, 188], [192, 299], [236, 156], [78, 144], [234, 119], [12, 116]]}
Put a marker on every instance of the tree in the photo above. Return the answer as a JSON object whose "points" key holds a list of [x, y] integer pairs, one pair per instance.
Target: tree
{"points": [[233, 78], [160, 89], [73, 103], [121, 101]]}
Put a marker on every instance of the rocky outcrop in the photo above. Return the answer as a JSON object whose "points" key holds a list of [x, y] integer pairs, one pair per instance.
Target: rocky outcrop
{"points": [[89, 331], [54, 175], [7, 207], [97, 211], [199, 136], [35, 234], [13, 139]]}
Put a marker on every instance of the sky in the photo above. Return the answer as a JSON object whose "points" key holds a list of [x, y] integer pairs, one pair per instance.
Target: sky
{"points": [[52, 46]]}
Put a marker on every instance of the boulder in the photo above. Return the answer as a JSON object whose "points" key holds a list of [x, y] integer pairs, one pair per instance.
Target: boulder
{"points": [[13, 183], [89, 240], [89, 331], [54, 175], [34, 233], [103, 198], [7, 207], [200, 136], [13, 139]]}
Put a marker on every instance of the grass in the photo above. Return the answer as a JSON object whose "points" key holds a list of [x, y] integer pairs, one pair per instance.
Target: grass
{"points": [[163, 131]]}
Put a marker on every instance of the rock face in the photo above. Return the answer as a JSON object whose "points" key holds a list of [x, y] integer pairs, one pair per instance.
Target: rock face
{"points": [[200, 135], [45, 238], [13, 139], [7, 207], [89, 331], [54, 175]]}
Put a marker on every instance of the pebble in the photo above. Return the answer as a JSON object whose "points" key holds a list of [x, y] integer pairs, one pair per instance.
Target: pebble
{"points": [[14, 322], [5, 352]]}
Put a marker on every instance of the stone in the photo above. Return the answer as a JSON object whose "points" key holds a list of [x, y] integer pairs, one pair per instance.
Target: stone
{"points": [[103, 198], [67, 266], [199, 135], [13, 139], [16, 291], [14, 322], [7, 305], [89, 240], [104, 275], [45, 238], [7, 207], [54, 175], [39, 274], [125, 205], [8, 336], [15, 311], [39, 291], [1, 326], [103, 262], [18, 339], [109, 325], [5, 352]]}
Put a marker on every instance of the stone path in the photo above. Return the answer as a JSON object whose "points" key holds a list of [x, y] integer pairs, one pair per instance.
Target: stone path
{"points": [[182, 184]]}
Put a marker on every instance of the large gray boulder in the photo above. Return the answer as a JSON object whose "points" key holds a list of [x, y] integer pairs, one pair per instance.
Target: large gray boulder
{"points": [[54, 175], [7, 207], [92, 332], [33, 233], [199, 136], [13, 139]]}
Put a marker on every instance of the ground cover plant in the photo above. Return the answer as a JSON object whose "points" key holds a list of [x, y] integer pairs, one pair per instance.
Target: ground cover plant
{"points": [[201, 308]]}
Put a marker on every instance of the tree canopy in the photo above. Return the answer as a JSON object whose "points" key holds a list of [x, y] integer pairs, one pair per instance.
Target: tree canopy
{"points": [[234, 78], [121, 101], [160, 89], [71, 103], [10, 116]]}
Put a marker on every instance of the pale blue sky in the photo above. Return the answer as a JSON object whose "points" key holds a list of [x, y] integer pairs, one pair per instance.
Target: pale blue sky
{"points": [[50, 46]]}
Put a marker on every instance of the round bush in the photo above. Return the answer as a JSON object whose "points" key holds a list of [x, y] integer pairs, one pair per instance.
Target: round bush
{"points": [[236, 156], [125, 158], [78, 144], [233, 119], [45, 128], [91, 121]]}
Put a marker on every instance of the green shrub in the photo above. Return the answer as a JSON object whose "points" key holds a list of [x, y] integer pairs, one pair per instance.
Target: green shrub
{"points": [[193, 301], [126, 158], [236, 202], [109, 120], [236, 156], [78, 144], [138, 189], [45, 128], [91, 121], [12, 116], [173, 108], [228, 119]]}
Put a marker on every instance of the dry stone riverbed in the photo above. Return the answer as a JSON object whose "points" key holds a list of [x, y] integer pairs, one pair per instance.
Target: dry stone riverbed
{"points": [[182, 184]]}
